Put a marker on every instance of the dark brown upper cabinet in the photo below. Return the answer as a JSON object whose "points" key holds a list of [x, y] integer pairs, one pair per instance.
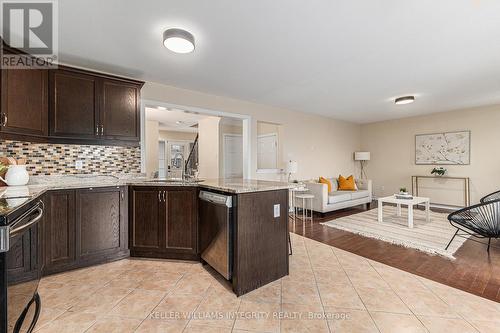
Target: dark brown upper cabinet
{"points": [[120, 110], [94, 106], [69, 105], [73, 105], [24, 103]]}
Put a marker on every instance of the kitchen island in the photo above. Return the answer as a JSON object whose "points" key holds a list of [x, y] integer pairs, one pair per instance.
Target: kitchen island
{"points": [[255, 240], [96, 219]]}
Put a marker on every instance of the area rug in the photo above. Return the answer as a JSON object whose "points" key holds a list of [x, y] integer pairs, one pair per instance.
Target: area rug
{"points": [[431, 237]]}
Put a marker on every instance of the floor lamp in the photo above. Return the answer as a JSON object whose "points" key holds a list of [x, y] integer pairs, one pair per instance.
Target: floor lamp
{"points": [[362, 157]]}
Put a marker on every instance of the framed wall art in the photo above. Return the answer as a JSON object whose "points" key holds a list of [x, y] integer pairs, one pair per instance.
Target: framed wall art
{"points": [[451, 148]]}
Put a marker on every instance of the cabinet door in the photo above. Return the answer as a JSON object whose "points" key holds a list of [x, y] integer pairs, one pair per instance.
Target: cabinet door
{"points": [[60, 233], [147, 222], [119, 110], [100, 222], [182, 220], [24, 102], [73, 105]]}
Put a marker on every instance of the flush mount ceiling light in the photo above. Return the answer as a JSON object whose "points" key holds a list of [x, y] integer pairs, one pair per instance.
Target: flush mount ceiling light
{"points": [[178, 40], [404, 100], [161, 108]]}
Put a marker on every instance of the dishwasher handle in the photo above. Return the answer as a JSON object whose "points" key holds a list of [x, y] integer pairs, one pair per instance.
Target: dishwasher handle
{"points": [[216, 198]]}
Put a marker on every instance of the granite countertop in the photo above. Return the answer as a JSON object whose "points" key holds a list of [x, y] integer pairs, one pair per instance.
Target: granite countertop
{"points": [[238, 185], [14, 197]]}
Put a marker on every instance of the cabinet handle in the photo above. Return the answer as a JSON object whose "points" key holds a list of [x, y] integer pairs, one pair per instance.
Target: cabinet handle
{"points": [[159, 196], [121, 194], [97, 129], [102, 130], [4, 119], [164, 196]]}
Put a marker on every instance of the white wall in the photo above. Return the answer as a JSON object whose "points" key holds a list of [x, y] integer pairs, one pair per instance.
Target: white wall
{"points": [[392, 147], [320, 145], [208, 147], [176, 135], [151, 146]]}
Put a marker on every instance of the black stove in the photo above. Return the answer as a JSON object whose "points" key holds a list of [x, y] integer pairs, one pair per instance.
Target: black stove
{"points": [[20, 262]]}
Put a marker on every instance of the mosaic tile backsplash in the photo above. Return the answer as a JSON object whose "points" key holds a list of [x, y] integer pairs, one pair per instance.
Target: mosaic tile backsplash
{"points": [[51, 159]]}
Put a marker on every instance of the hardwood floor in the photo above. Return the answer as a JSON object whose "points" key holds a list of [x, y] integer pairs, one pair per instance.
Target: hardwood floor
{"points": [[473, 270]]}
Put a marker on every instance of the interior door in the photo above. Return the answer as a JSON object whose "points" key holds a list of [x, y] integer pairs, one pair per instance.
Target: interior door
{"points": [[267, 156], [233, 156]]}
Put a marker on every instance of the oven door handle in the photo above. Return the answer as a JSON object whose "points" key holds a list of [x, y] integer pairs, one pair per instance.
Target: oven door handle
{"points": [[14, 231]]}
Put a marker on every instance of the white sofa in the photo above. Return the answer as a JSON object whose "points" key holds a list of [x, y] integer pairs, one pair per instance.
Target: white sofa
{"points": [[324, 202]]}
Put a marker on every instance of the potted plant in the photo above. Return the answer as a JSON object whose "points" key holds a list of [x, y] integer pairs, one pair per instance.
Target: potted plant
{"points": [[439, 171], [403, 191]]}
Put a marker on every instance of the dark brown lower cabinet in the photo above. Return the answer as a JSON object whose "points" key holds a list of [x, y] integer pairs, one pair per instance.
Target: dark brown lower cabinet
{"points": [[85, 227], [101, 224], [261, 240], [163, 222], [60, 232]]}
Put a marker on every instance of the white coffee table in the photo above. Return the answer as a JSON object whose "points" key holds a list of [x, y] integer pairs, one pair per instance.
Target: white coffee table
{"points": [[408, 202]]}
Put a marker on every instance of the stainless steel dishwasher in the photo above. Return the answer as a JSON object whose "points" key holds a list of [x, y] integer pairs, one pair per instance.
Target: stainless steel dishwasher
{"points": [[216, 231]]}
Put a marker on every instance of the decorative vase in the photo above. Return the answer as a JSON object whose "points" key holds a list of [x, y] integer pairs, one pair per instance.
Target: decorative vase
{"points": [[16, 175]]}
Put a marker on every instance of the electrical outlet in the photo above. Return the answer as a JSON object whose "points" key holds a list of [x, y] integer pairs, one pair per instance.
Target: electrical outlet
{"points": [[78, 164], [277, 210]]}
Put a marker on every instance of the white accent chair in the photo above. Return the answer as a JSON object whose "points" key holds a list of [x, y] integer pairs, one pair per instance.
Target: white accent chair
{"points": [[324, 202]]}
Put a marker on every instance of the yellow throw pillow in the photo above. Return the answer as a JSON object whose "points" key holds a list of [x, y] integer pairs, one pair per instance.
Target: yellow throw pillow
{"points": [[346, 184], [327, 182]]}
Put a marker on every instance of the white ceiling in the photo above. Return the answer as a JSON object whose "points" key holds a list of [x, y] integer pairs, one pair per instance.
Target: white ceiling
{"points": [[344, 59], [181, 120], [174, 120]]}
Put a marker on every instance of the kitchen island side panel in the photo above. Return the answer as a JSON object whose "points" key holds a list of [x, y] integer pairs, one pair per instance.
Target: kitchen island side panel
{"points": [[261, 240]]}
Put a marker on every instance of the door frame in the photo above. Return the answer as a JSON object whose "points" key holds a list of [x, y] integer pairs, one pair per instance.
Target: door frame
{"points": [[224, 136], [248, 127]]}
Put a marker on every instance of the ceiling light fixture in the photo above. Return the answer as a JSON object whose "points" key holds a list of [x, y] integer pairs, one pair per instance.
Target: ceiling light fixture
{"points": [[178, 40], [404, 100], [161, 108]]}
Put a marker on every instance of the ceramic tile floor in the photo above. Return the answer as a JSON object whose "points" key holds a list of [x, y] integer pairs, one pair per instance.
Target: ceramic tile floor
{"points": [[328, 290]]}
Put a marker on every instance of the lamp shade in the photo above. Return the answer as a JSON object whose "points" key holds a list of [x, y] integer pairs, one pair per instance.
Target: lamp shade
{"points": [[362, 156], [292, 167]]}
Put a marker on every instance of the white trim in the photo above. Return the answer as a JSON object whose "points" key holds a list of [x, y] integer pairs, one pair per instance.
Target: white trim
{"points": [[143, 137], [247, 130]]}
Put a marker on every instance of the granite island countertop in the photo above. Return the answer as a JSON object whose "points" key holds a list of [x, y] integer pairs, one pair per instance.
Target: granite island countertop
{"points": [[14, 197]]}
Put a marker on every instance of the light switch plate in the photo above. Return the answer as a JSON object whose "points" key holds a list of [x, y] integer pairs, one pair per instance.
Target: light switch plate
{"points": [[277, 210]]}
